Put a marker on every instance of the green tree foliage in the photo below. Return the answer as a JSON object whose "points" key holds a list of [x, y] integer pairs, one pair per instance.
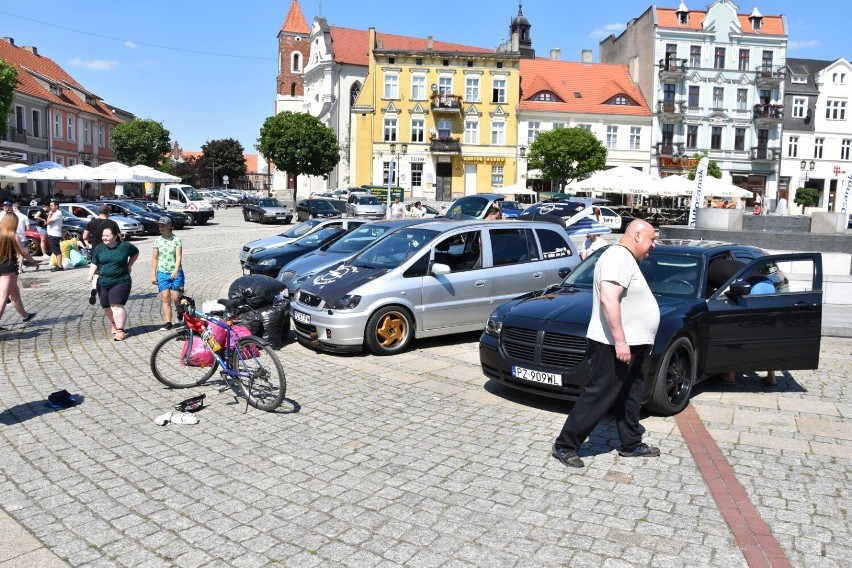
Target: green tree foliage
{"points": [[806, 197], [566, 154], [227, 157], [141, 141], [713, 169], [8, 81], [299, 144]]}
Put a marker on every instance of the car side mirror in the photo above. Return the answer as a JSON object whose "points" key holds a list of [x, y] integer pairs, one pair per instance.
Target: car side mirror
{"points": [[738, 289], [439, 269], [565, 271]]}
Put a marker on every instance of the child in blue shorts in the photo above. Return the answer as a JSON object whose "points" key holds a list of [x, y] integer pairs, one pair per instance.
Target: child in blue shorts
{"points": [[166, 268]]}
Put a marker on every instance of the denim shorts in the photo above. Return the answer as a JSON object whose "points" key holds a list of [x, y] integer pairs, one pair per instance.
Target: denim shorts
{"points": [[166, 282]]}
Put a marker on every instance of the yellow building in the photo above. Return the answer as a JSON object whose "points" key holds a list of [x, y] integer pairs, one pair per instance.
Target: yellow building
{"points": [[443, 115]]}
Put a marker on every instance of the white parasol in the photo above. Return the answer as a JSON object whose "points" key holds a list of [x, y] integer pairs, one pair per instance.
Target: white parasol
{"points": [[620, 179], [150, 174], [681, 185], [11, 176]]}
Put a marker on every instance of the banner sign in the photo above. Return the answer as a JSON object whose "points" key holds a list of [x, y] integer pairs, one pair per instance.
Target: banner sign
{"points": [[846, 194], [698, 194]]}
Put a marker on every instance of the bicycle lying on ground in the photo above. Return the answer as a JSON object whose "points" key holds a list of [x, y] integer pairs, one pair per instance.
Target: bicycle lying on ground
{"points": [[249, 366]]}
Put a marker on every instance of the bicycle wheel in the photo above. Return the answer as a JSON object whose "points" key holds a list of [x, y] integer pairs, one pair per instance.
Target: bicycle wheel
{"points": [[260, 375], [168, 369]]}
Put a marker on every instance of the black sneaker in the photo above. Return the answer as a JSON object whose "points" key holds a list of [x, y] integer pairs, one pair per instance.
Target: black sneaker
{"points": [[30, 316], [641, 450], [92, 295], [166, 327], [567, 457]]}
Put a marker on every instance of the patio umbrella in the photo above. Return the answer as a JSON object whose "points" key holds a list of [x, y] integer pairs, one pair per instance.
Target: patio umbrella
{"points": [[11, 176], [514, 190], [620, 179], [44, 171], [115, 172], [681, 185], [586, 226], [39, 167], [152, 175], [80, 172]]}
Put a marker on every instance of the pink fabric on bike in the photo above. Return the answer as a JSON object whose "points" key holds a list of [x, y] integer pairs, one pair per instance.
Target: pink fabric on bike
{"points": [[196, 356], [239, 331], [220, 333]]}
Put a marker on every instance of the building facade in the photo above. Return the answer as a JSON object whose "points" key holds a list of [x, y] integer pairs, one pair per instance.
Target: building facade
{"points": [[55, 118], [714, 80], [601, 98], [817, 140]]}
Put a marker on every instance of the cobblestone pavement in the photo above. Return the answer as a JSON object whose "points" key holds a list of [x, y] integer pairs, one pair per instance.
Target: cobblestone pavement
{"points": [[410, 460]]}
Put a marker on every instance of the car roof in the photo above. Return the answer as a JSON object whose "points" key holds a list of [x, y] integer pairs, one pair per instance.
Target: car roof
{"points": [[699, 247], [442, 225]]}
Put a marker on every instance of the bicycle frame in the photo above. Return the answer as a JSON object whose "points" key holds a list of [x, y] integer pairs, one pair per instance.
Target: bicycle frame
{"points": [[194, 318]]}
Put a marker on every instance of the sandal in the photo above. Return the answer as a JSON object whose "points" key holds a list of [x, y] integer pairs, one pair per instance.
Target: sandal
{"points": [[118, 335]]}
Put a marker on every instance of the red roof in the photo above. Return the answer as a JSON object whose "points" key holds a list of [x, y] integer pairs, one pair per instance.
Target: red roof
{"points": [[595, 82], [772, 25], [24, 59], [353, 46], [295, 21]]}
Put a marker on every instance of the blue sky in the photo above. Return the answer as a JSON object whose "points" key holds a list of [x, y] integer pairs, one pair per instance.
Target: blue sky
{"points": [[206, 69]]}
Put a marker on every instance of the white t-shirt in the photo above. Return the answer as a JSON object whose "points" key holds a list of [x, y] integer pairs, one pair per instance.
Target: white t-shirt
{"points": [[640, 314], [23, 223], [397, 210], [590, 246], [416, 213], [54, 224]]}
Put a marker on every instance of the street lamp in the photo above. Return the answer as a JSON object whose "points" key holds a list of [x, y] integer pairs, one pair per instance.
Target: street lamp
{"points": [[807, 167], [394, 160]]}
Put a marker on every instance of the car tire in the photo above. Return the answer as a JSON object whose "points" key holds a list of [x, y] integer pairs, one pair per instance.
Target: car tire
{"points": [[389, 331], [33, 246], [201, 221], [675, 378], [246, 215], [190, 218]]}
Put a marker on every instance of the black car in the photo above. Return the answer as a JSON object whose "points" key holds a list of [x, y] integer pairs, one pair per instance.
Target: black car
{"points": [[72, 227], [270, 261], [537, 343], [266, 210], [136, 212], [316, 209], [179, 220]]}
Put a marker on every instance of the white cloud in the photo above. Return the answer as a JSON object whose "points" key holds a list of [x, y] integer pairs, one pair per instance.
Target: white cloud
{"points": [[600, 33], [804, 44], [130, 45], [95, 64]]}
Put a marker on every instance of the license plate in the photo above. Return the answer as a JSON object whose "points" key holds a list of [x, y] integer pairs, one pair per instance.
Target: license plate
{"points": [[302, 318], [537, 376]]}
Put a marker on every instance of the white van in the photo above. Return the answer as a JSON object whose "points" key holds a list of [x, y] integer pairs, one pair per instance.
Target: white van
{"points": [[185, 199]]}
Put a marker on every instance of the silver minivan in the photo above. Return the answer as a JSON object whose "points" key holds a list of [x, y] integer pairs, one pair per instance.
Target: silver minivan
{"points": [[426, 280]]}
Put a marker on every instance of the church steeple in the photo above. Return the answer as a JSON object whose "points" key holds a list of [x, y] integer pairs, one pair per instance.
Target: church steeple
{"points": [[293, 49], [519, 30]]}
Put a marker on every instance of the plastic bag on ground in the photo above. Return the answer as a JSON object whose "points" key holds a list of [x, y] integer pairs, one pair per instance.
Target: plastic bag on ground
{"points": [[255, 290], [276, 324], [249, 318]]}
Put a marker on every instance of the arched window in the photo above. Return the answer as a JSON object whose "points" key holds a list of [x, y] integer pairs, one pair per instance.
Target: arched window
{"points": [[296, 62], [354, 91], [622, 100], [546, 96], [293, 89]]}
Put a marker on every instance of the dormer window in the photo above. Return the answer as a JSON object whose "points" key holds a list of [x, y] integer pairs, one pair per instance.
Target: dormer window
{"points": [[621, 100], [682, 14], [799, 79], [756, 19], [545, 96]]}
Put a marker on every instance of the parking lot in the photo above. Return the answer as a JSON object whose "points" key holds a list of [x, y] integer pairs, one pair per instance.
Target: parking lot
{"points": [[413, 460]]}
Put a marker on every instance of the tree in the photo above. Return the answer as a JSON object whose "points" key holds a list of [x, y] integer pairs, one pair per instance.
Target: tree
{"points": [[191, 170], [8, 82], [299, 144], [226, 156], [713, 169], [566, 154], [806, 197], [141, 141]]}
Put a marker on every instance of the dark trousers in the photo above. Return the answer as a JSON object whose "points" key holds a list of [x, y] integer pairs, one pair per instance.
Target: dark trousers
{"points": [[613, 384], [55, 248]]}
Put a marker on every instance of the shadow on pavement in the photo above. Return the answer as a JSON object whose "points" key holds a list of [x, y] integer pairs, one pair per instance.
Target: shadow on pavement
{"points": [[750, 382], [27, 410]]}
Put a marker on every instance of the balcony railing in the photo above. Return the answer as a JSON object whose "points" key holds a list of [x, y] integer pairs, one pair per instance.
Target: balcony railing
{"points": [[765, 153], [671, 107], [672, 67], [768, 114], [447, 103], [768, 75], [445, 146], [670, 149], [12, 134]]}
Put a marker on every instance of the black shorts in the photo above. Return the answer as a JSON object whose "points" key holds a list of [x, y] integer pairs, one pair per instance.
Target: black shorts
{"points": [[114, 295]]}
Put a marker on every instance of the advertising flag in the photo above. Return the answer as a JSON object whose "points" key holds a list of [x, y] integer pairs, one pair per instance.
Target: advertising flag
{"points": [[698, 194], [846, 195]]}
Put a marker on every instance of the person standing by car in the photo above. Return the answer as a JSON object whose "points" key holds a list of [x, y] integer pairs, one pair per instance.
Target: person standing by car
{"points": [[623, 324], [54, 233], [592, 243], [494, 213], [93, 236], [113, 262], [417, 211], [167, 269], [397, 209]]}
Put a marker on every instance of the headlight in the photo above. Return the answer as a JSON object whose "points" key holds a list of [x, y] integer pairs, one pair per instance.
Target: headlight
{"points": [[494, 325], [286, 276], [256, 249], [267, 262], [347, 302]]}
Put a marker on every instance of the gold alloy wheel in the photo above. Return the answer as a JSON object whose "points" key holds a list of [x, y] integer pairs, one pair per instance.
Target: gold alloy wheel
{"points": [[392, 330]]}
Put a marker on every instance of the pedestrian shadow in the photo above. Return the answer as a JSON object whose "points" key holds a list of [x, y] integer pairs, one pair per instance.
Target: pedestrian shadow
{"points": [[145, 296], [28, 410], [751, 381]]}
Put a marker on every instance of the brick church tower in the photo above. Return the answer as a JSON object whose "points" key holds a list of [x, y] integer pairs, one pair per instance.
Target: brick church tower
{"points": [[294, 46]]}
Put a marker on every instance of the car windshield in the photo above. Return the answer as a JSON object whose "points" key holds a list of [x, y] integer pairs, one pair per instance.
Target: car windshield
{"points": [[513, 205], [319, 205], [133, 207], [314, 239], [394, 249], [357, 239], [269, 203], [153, 207], [667, 274], [191, 193], [468, 207], [368, 200], [300, 229]]}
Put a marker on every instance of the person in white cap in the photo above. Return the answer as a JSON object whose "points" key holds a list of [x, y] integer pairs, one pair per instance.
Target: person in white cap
{"points": [[167, 268]]}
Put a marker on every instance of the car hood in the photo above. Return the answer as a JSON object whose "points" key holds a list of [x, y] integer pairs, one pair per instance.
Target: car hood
{"points": [[568, 305], [331, 285], [378, 208], [288, 250], [274, 241], [317, 260], [276, 210]]}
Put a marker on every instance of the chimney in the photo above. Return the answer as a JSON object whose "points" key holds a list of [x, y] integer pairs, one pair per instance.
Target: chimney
{"points": [[9, 39], [587, 56], [555, 54], [31, 48], [429, 43]]}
